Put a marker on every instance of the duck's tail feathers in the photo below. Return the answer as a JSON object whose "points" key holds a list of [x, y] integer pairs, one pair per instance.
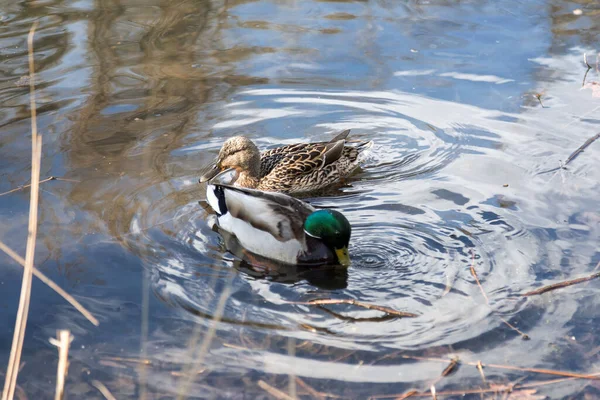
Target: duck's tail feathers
{"points": [[363, 146], [340, 136], [364, 150]]}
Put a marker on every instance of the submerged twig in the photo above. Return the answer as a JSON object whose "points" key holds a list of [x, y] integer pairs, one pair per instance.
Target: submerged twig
{"points": [[451, 368], [36, 154], [524, 336], [134, 360], [196, 372], [408, 394], [549, 382], [387, 310], [513, 387], [510, 388], [588, 69], [474, 273], [581, 148], [567, 374], [379, 318], [538, 96], [315, 394], [51, 284], [51, 178], [401, 396], [562, 284], [573, 155], [278, 394], [103, 389], [63, 342], [343, 357]]}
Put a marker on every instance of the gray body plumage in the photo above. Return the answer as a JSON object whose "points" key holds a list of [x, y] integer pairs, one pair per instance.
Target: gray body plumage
{"points": [[268, 224]]}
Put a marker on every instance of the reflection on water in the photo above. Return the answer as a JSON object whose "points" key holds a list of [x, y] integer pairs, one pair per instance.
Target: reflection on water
{"points": [[135, 98]]}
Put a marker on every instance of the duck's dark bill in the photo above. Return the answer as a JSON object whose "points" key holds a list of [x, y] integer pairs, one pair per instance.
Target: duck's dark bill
{"points": [[214, 171], [343, 257], [226, 177]]}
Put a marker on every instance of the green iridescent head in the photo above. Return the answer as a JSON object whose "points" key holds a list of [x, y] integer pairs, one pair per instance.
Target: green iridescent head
{"points": [[333, 229]]}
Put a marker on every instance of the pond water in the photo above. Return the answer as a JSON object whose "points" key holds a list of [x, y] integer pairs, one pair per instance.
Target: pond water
{"points": [[468, 103]]}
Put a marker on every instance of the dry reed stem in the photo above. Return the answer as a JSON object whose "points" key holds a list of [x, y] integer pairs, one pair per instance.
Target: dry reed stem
{"points": [[562, 284], [278, 394], [480, 369], [291, 348], [23, 311], [524, 336], [408, 394], [103, 389], [208, 337], [448, 287], [387, 310], [142, 367], [63, 342], [40, 275]]}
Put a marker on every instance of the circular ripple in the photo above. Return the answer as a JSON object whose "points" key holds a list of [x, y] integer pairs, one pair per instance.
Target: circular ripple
{"points": [[411, 258], [405, 144], [402, 249]]}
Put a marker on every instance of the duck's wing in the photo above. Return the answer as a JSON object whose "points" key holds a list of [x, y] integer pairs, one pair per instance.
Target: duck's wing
{"points": [[306, 161], [280, 215], [269, 159]]}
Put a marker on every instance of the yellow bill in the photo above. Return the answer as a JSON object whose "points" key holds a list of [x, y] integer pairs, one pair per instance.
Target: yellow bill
{"points": [[343, 257]]}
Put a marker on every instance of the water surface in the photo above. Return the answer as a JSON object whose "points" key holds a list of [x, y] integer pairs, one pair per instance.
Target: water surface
{"points": [[135, 99]]}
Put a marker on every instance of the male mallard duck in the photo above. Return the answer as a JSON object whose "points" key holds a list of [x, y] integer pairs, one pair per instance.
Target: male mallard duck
{"points": [[293, 169], [280, 227]]}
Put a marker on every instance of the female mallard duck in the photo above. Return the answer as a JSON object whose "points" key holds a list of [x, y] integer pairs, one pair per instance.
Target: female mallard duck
{"points": [[293, 169], [280, 227]]}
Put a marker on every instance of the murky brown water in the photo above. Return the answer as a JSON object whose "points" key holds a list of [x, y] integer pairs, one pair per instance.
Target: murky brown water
{"points": [[134, 100]]}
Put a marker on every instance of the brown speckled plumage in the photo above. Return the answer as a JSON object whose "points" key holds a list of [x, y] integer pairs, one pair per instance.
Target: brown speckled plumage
{"points": [[294, 169]]}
